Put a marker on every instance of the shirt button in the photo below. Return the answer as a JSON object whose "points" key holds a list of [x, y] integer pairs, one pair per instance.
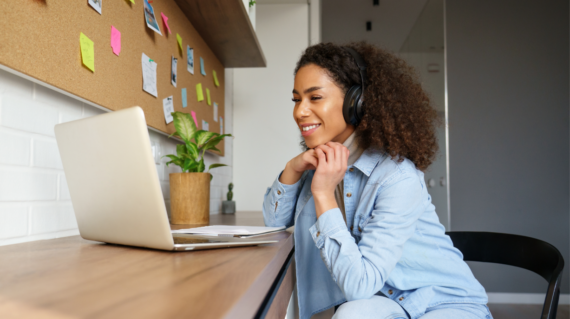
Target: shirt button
{"points": [[360, 229], [351, 169], [278, 192], [318, 233], [351, 228], [401, 298], [390, 291], [348, 194]]}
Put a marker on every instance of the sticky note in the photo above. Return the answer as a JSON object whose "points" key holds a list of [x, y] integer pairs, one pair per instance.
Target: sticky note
{"points": [[132, 1], [208, 96], [205, 126], [184, 98], [202, 70], [87, 51], [199, 93], [215, 78], [221, 125], [179, 39], [215, 111], [168, 108], [194, 117], [165, 21], [115, 40]]}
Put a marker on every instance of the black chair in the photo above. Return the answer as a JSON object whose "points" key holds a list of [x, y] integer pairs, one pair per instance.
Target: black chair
{"points": [[520, 251]]}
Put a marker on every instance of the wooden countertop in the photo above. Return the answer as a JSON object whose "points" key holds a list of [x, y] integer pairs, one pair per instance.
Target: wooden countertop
{"points": [[74, 278]]}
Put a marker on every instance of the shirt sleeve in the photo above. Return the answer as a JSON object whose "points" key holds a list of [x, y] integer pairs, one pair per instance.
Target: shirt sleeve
{"points": [[360, 270], [279, 202]]}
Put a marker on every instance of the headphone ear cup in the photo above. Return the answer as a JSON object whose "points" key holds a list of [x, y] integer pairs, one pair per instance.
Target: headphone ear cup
{"points": [[352, 102]]}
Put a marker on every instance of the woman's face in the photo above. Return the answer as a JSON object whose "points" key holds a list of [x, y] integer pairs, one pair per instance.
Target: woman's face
{"points": [[318, 107]]}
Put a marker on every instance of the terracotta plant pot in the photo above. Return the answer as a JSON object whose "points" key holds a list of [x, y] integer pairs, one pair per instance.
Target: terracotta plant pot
{"points": [[190, 198]]}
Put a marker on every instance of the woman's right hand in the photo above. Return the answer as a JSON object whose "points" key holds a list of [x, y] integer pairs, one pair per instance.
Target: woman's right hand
{"points": [[304, 161], [297, 165]]}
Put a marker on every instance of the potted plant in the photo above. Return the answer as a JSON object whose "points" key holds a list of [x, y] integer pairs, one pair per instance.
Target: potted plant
{"points": [[190, 190], [229, 206]]}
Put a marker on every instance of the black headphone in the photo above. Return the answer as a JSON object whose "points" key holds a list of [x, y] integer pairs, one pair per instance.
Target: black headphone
{"points": [[353, 108]]}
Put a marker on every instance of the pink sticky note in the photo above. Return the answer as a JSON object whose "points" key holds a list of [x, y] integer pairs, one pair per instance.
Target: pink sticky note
{"points": [[194, 117], [165, 20], [115, 40]]}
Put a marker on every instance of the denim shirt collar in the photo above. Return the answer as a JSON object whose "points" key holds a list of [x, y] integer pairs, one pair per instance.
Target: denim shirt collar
{"points": [[368, 160]]}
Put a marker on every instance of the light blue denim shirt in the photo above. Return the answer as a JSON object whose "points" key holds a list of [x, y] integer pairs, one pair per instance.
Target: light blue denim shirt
{"points": [[392, 241]]}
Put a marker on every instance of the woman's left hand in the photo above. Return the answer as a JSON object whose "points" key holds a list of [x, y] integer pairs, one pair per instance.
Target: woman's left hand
{"points": [[333, 158]]}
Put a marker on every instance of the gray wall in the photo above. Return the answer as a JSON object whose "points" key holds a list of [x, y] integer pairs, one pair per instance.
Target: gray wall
{"points": [[508, 72]]}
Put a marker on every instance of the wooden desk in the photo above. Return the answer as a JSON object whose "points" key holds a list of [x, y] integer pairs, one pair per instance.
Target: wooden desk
{"points": [[74, 278]]}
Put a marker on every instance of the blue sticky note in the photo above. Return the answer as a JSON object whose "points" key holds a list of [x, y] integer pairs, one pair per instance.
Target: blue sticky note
{"points": [[202, 69], [184, 101]]}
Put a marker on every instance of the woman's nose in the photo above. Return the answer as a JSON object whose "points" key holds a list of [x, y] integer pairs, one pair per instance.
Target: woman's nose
{"points": [[303, 109]]}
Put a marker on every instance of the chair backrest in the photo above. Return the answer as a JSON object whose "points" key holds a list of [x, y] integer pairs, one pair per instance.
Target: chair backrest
{"points": [[515, 250]]}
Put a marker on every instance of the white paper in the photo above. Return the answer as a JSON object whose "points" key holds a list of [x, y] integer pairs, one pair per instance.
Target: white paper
{"points": [[190, 59], [149, 75], [96, 4], [221, 125], [215, 111], [228, 230], [173, 74], [205, 126], [150, 17], [168, 107]]}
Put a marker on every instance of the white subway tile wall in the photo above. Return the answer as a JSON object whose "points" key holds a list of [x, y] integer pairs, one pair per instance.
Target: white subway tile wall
{"points": [[34, 196]]}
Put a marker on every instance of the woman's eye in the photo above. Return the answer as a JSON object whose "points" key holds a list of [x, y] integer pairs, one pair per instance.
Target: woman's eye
{"points": [[316, 98], [295, 100]]}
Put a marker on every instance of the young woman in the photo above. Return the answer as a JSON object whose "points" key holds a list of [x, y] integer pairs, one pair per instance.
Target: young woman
{"points": [[367, 236]]}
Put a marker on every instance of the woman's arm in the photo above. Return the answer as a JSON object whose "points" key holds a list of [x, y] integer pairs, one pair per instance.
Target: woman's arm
{"points": [[361, 270], [281, 198]]}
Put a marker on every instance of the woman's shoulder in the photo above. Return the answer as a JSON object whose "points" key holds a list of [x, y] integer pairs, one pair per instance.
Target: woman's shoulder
{"points": [[391, 169]]}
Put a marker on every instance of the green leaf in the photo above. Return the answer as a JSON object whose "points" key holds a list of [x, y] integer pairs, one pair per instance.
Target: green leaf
{"points": [[187, 163], [203, 136], [192, 150], [184, 125], [180, 149], [192, 167], [214, 141], [215, 149], [211, 176], [174, 133], [216, 165], [201, 166]]}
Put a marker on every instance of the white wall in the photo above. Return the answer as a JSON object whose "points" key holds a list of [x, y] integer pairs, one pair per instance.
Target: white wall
{"points": [[266, 136], [34, 198]]}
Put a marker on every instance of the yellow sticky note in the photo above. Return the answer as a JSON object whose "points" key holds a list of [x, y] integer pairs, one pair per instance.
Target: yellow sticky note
{"points": [[133, 1], [87, 51], [208, 96], [215, 78], [179, 41], [199, 92]]}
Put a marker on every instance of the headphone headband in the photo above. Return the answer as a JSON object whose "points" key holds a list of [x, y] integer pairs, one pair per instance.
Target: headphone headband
{"points": [[360, 63]]}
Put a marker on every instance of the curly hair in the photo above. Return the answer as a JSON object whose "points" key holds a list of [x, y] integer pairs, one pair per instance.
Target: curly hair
{"points": [[398, 114]]}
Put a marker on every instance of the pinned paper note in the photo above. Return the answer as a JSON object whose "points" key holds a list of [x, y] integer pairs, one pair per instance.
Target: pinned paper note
{"points": [[202, 69], [199, 93], [115, 40], [208, 96], [205, 126], [179, 39], [221, 125], [165, 21], [96, 4], [87, 51], [194, 117], [190, 59], [149, 75], [184, 98], [215, 78], [150, 17], [168, 108], [174, 72], [215, 111]]}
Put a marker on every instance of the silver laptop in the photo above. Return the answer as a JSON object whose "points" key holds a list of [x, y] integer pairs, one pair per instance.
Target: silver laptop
{"points": [[114, 186]]}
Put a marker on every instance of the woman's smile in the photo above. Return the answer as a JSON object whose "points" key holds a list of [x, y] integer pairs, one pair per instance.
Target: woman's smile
{"points": [[308, 129]]}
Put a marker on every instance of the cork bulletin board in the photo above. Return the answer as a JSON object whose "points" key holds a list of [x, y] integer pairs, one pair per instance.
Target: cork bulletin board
{"points": [[40, 38]]}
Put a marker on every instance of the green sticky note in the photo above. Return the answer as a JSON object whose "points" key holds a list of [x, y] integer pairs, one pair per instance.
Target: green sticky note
{"points": [[216, 78], [132, 1], [179, 41], [208, 96], [199, 93], [87, 51]]}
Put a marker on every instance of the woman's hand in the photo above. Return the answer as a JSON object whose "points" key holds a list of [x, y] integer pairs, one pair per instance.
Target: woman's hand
{"points": [[297, 165], [331, 167]]}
